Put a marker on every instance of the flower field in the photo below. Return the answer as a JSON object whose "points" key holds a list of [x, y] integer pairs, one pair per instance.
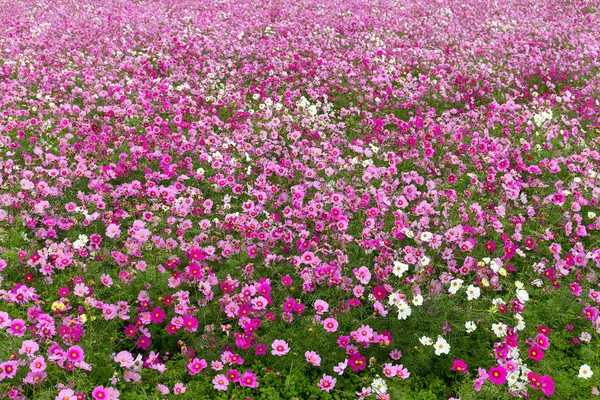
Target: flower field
{"points": [[299, 199]]}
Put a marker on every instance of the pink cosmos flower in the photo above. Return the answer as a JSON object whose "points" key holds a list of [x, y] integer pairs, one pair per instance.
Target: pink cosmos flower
{"points": [[363, 333], [109, 311], [95, 239], [483, 376], [558, 199], [280, 347], [362, 274], [4, 319], [357, 362], [259, 303], [379, 292], [220, 382], [8, 369], [233, 375], [330, 324], [106, 280], [289, 304], [321, 307], [66, 394], [389, 370], [190, 323], [402, 372], [327, 383], [124, 358], [162, 389], [143, 342], [34, 377], [340, 368], [112, 231], [252, 251], [395, 354], [179, 389], [17, 328], [29, 347], [535, 380], [313, 358], [37, 364], [81, 290]]}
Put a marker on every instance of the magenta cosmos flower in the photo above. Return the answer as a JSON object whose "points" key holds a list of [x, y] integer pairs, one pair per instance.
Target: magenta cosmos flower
{"points": [[286, 280], [497, 375], [459, 366], [542, 341], [249, 379], [157, 315], [75, 354], [535, 353], [196, 366], [547, 385]]}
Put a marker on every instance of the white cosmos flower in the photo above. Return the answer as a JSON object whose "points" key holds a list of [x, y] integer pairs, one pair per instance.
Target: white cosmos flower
{"points": [[394, 299], [441, 346], [473, 292], [399, 268], [470, 326], [585, 372], [379, 385], [417, 300], [426, 236], [522, 295], [495, 266], [404, 311], [520, 322], [512, 378], [497, 301], [519, 284], [455, 285], [499, 329], [426, 341]]}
